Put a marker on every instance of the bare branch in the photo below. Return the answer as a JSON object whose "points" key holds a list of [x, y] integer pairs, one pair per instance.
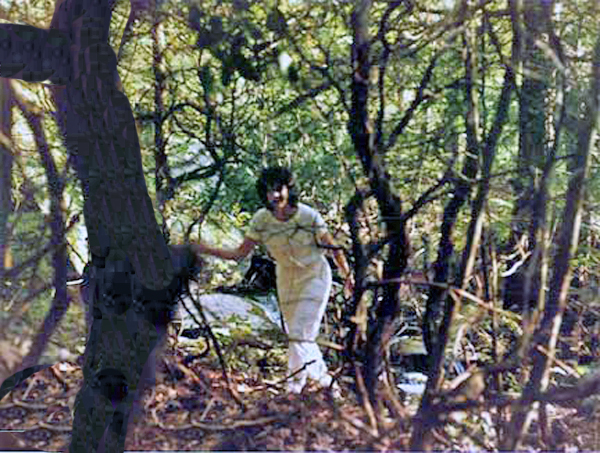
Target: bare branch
{"points": [[383, 60], [301, 99], [323, 71], [17, 270], [419, 97], [208, 206]]}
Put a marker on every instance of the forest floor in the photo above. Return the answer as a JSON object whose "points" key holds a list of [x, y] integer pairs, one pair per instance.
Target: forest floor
{"points": [[192, 409]]}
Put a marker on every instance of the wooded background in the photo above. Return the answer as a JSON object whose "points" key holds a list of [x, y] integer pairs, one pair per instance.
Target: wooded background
{"points": [[450, 145]]}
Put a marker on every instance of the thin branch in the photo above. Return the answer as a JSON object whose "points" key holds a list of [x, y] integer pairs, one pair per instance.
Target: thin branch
{"points": [[217, 346], [209, 204], [419, 97], [427, 196], [301, 99], [382, 69], [323, 71], [207, 144], [197, 174], [174, 108], [15, 271]]}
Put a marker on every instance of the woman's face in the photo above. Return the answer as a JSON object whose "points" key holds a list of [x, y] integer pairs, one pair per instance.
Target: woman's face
{"points": [[278, 196]]}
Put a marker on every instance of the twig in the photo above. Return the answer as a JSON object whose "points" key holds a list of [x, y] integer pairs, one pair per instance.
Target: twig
{"points": [[16, 270], [477, 439], [198, 306], [230, 426], [441, 439], [207, 409], [29, 387], [419, 97], [288, 377], [451, 288], [397, 408], [320, 342], [543, 424], [559, 362], [211, 201]]}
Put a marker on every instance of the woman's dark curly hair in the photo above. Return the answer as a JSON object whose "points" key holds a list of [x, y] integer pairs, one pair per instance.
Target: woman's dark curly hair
{"points": [[273, 178]]}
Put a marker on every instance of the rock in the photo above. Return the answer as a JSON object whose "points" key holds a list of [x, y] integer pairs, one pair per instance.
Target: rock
{"points": [[413, 383], [261, 314]]}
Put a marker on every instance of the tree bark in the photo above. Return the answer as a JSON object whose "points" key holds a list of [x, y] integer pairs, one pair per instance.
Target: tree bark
{"points": [[534, 159], [462, 191], [133, 280], [532, 119]]}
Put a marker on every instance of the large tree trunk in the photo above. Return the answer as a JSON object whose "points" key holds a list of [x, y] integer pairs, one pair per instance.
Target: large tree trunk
{"points": [[523, 288], [132, 278]]}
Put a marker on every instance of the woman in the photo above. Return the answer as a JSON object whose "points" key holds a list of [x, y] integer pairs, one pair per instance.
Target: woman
{"points": [[296, 237]]}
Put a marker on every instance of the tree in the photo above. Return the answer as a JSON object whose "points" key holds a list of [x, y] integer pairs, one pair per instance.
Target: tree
{"points": [[132, 274], [453, 125], [547, 333], [369, 151]]}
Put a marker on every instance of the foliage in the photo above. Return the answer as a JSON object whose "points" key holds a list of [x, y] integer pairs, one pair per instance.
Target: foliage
{"points": [[246, 84]]}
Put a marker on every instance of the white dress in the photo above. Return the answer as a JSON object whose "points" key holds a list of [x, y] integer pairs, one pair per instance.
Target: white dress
{"points": [[303, 285]]}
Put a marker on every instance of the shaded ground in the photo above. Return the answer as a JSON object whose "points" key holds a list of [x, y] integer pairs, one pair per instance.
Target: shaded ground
{"points": [[191, 408]]}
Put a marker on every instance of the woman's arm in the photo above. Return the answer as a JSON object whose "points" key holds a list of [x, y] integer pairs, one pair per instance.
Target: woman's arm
{"points": [[227, 254], [341, 263]]}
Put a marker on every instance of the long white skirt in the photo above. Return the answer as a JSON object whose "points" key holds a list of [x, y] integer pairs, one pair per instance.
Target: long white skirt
{"points": [[303, 295]]}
